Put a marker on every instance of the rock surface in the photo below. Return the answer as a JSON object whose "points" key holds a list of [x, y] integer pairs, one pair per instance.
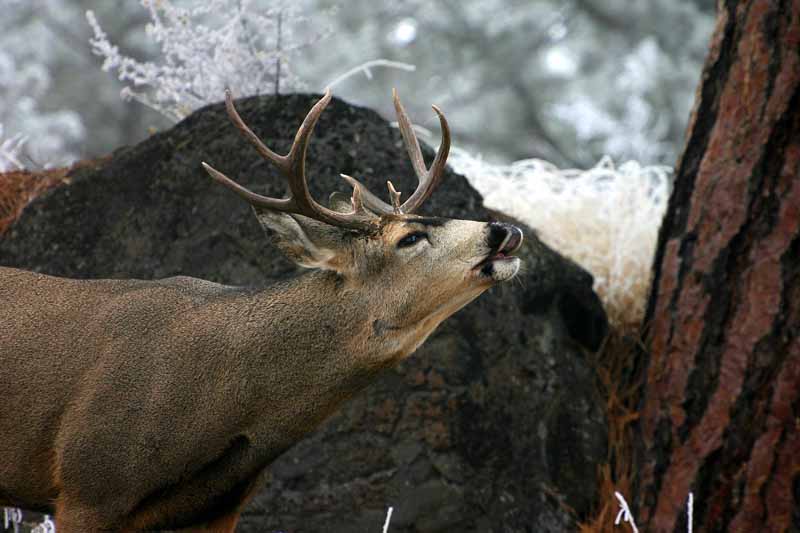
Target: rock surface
{"points": [[493, 425]]}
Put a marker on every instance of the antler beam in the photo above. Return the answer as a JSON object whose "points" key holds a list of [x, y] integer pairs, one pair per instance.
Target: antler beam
{"points": [[428, 178], [292, 165]]}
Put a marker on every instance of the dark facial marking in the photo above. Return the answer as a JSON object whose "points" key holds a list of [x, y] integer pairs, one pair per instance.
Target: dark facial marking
{"points": [[380, 327]]}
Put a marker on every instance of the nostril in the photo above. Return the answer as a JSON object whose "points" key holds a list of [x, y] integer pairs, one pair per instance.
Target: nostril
{"points": [[498, 233]]}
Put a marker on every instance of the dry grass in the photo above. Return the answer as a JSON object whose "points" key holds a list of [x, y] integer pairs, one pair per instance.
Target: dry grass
{"points": [[620, 383], [18, 188]]}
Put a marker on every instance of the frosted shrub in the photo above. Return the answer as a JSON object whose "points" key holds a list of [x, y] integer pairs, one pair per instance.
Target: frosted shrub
{"points": [[246, 50], [605, 218], [11, 151], [42, 138], [625, 515], [204, 49], [626, 119]]}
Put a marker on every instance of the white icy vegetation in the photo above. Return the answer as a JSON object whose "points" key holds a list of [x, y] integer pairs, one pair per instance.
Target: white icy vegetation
{"points": [[54, 134], [11, 151], [206, 48], [242, 45], [605, 218]]}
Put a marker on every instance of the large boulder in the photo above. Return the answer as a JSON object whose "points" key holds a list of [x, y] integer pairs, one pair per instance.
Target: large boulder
{"points": [[493, 425]]}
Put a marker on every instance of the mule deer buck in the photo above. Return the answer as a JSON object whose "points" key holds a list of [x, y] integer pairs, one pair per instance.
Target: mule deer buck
{"points": [[141, 405]]}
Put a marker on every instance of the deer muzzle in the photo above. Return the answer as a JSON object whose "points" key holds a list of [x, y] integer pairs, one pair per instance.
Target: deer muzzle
{"points": [[500, 264]]}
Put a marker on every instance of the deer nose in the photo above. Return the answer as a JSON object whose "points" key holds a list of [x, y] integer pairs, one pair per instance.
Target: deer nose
{"points": [[504, 237]]}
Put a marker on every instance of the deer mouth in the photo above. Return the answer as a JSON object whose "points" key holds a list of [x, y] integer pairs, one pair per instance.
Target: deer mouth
{"points": [[501, 264]]}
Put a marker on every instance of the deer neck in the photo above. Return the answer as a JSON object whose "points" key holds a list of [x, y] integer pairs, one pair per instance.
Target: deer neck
{"points": [[317, 340], [321, 316], [305, 352]]}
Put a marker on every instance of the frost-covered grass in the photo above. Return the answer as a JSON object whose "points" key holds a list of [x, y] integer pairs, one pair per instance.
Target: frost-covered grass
{"points": [[11, 151], [388, 520], [14, 520], [625, 515], [605, 218]]}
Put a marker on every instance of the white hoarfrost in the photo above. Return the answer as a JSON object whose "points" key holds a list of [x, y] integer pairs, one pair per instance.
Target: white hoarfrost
{"points": [[605, 218], [11, 151], [247, 49], [40, 138], [205, 49], [625, 516]]}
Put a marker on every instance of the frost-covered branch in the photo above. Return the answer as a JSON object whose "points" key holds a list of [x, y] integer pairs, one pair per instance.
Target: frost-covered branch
{"points": [[205, 49], [388, 520], [365, 68], [11, 151], [13, 519], [246, 50], [624, 514], [41, 138]]}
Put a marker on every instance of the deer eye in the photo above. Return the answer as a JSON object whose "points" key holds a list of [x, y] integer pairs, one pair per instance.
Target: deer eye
{"points": [[412, 239]]}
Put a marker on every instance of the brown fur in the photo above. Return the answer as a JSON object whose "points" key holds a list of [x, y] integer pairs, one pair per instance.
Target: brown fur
{"points": [[136, 405]]}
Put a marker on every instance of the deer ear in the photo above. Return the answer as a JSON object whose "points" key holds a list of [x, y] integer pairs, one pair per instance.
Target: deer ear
{"points": [[305, 241]]}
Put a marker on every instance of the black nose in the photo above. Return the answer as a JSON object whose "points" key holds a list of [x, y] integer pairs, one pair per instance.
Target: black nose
{"points": [[503, 235]]}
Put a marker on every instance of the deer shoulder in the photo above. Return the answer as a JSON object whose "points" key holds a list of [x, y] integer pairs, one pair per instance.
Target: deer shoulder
{"points": [[159, 404]]}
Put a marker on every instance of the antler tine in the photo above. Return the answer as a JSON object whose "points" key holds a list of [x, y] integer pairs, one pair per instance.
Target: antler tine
{"points": [[278, 204], [428, 178], [395, 197], [293, 167], [409, 137], [278, 159], [296, 162], [372, 202]]}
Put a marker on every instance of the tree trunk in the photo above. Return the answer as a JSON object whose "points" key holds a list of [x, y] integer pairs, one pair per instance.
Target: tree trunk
{"points": [[720, 415]]}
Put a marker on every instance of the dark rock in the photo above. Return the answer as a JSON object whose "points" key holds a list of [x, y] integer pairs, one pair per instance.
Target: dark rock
{"points": [[492, 426]]}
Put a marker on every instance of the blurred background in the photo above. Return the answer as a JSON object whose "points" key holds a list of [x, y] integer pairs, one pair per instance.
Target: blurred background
{"points": [[565, 81], [567, 116]]}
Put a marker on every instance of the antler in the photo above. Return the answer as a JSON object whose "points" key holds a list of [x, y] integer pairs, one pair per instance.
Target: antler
{"points": [[292, 165], [394, 196], [428, 178]]}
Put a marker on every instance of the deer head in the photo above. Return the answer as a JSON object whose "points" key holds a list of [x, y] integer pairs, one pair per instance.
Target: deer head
{"points": [[417, 270]]}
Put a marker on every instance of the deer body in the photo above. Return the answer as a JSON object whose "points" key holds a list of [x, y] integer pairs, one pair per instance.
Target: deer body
{"points": [[208, 373], [138, 405]]}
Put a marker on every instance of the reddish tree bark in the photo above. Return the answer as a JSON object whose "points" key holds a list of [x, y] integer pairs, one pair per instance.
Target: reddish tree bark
{"points": [[721, 407]]}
